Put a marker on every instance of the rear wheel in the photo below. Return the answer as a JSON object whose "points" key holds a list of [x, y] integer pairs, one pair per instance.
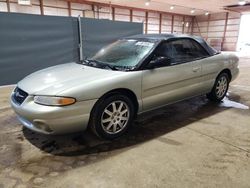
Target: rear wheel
{"points": [[112, 116], [220, 88]]}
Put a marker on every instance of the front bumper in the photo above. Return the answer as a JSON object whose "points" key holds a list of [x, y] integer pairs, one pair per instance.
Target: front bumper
{"points": [[51, 119]]}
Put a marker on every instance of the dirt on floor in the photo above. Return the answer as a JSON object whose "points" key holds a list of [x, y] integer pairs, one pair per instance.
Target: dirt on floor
{"points": [[194, 143]]}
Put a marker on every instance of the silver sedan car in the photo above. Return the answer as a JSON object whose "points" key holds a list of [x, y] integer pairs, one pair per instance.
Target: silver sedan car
{"points": [[128, 77]]}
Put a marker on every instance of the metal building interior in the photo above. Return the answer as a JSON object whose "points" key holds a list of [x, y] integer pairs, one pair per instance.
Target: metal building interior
{"points": [[191, 143]]}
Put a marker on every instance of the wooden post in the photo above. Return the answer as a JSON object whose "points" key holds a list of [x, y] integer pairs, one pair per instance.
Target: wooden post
{"points": [[8, 5], [208, 25], [160, 22], [98, 16], [192, 26], [41, 7], [131, 15], [69, 8], [172, 24], [225, 31], [113, 13], [146, 23], [93, 9], [183, 25]]}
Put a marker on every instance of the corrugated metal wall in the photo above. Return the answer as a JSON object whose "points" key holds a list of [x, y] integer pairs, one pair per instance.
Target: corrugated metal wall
{"points": [[221, 30]]}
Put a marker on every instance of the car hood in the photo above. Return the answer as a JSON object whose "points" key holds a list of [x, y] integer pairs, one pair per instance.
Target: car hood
{"points": [[53, 80]]}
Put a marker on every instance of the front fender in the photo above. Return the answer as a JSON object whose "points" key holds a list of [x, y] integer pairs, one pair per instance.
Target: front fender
{"points": [[97, 88]]}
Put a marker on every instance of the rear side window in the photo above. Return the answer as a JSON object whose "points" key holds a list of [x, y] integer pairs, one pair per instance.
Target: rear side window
{"points": [[181, 51]]}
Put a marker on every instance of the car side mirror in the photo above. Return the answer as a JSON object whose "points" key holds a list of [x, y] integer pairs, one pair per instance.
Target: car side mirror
{"points": [[159, 62]]}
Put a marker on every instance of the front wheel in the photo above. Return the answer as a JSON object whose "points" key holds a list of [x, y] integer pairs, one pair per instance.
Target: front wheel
{"points": [[220, 88], [112, 116]]}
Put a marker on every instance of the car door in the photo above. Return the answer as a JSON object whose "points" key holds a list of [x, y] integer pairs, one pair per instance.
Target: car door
{"points": [[176, 79]]}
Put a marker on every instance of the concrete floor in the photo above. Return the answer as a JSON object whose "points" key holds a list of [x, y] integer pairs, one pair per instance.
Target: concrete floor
{"points": [[194, 143]]}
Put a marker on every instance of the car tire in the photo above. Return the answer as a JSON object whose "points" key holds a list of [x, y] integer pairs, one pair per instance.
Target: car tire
{"points": [[112, 116], [220, 88]]}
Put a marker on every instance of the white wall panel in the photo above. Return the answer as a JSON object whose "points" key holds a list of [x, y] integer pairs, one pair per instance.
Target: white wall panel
{"points": [[166, 29], [153, 27], [79, 6], [122, 11], [154, 15], [32, 9], [55, 3], [215, 34], [3, 7], [55, 11], [233, 21], [201, 24], [122, 18], [166, 22], [217, 23], [232, 33], [216, 28], [178, 18], [138, 13], [233, 27], [153, 32], [234, 15], [153, 20], [103, 15], [88, 14], [138, 19], [231, 40], [76, 13]]}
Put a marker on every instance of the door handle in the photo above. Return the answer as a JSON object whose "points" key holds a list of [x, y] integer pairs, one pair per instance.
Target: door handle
{"points": [[196, 69]]}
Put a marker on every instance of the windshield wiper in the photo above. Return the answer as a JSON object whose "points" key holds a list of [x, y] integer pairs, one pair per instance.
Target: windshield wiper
{"points": [[111, 66], [96, 63], [100, 64], [88, 62], [84, 62]]}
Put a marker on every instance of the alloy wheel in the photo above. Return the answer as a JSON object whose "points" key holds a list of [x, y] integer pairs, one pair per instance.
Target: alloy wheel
{"points": [[221, 87], [115, 117]]}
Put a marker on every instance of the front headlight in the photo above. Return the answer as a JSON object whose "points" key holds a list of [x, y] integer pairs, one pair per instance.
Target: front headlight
{"points": [[54, 101]]}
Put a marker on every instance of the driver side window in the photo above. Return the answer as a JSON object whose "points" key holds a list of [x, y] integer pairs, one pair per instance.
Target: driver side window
{"points": [[166, 51], [179, 51]]}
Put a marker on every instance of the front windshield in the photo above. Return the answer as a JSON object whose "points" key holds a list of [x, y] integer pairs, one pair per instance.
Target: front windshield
{"points": [[124, 53]]}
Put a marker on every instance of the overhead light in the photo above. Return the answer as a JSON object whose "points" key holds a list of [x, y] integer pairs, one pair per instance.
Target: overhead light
{"points": [[192, 11], [242, 2], [172, 8], [24, 2], [147, 3], [207, 13]]}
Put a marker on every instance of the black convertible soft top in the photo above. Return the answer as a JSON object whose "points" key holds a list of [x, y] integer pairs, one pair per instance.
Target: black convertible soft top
{"points": [[161, 37]]}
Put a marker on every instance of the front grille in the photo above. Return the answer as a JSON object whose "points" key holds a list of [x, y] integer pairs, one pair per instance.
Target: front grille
{"points": [[19, 95]]}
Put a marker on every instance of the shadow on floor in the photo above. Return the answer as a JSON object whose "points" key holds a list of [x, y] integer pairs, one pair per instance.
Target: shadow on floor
{"points": [[148, 126]]}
